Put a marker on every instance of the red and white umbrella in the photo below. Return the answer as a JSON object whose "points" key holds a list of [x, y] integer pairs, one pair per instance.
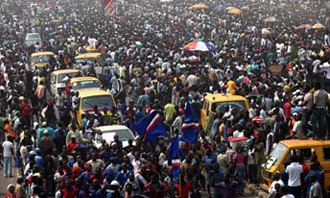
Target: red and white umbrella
{"points": [[199, 46]]}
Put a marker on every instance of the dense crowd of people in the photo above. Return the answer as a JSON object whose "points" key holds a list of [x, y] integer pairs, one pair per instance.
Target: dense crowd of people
{"points": [[147, 70]]}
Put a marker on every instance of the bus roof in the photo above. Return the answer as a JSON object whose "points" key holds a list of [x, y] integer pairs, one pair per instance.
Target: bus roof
{"points": [[83, 78], [88, 55], [88, 93], [223, 97], [62, 71], [42, 54], [296, 143]]}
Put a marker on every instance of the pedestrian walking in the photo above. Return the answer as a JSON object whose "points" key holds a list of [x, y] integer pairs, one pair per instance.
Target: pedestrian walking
{"points": [[8, 156]]}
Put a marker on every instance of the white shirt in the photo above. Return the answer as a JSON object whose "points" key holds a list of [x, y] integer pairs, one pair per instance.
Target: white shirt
{"points": [[74, 102], [98, 69], [272, 187], [298, 129], [294, 170], [316, 190], [238, 134], [192, 80], [136, 165], [287, 196], [7, 146], [59, 100]]}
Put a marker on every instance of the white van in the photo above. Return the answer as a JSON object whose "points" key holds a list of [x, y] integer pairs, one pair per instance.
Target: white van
{"points": [[57, 83], [33, 39]]}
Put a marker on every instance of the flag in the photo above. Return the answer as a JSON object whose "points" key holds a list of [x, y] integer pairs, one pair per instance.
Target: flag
{"points": [[109, 7], [176, 169], [174, 157], [190, 132], [174, 151], [190, 125], [190, 114], [150, 127]]}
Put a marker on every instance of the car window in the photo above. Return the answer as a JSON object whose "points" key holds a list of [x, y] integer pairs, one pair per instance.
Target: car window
{"points": [[326, 153], [278, 152], [87, 84], [306, 153], [124, 135], [40, 59], [33, 36], [89, 61], [62, 76], [220, 106]]}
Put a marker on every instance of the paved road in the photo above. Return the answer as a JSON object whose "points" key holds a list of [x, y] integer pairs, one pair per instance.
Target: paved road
{"points": [[4, 182]]}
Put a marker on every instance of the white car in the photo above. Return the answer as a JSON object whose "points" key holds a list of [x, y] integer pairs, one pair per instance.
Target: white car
{"points": [[108, 132], [33, 39]]}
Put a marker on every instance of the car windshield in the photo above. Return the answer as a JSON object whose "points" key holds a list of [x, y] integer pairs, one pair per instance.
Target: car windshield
{"points": [[41, 59], [33, 36], [276, 155], [88, 84], [100, 101], [89, 61], [124, 135], [220, 106], [62, 76]]}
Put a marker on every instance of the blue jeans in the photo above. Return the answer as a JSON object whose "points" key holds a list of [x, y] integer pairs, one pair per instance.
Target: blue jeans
{"points": [[319, 123], [7, 166], [241, 176]]}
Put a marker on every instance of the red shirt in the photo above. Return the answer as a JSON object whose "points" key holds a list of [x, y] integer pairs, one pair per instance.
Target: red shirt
{"points": [[71, 193], [287, 110], [240, 158], [71, 146], [304, 173], [9, 195], [184, 190]]}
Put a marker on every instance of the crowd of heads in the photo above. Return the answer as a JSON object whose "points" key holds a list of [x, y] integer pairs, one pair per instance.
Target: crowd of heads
{"points": [[274, 63]]}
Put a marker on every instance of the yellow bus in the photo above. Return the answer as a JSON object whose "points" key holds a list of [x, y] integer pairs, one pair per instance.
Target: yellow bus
{"points": [[86, 82], [90, 58], [40, 59], [304, 148], [218, 102], [88, 99]]}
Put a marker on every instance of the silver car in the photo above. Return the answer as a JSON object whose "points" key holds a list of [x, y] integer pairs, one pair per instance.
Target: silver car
{"points": [[33, 39]]}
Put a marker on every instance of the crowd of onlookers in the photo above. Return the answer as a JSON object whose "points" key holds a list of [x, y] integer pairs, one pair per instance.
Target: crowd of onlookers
{"points": [[142, 47]]}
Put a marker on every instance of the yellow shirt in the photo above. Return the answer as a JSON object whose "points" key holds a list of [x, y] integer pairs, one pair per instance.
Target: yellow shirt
{"points": [[169, 111], [231, 86]]}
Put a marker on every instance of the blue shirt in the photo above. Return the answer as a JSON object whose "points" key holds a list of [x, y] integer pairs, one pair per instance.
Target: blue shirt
{"points": [[122, 177], [215, 126], [39, 162], [85, 176], [209, 161], [122, 107]]}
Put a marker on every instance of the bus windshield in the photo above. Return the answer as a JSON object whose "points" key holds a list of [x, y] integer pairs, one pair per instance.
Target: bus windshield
{"points": [[100, 101]]}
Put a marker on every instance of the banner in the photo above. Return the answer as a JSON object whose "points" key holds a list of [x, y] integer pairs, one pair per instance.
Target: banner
{"points": [[109, 7]]}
